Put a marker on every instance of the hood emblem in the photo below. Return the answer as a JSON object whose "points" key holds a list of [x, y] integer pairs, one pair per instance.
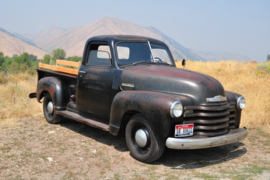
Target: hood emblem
{"points": [[216, 99], [128, 85]]}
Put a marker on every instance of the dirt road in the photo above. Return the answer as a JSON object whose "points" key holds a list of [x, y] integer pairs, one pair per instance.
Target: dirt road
{"points": [[34, 149]]}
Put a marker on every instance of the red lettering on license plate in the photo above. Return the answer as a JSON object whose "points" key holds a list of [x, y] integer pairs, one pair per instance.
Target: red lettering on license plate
{"points": [[184, 130]]}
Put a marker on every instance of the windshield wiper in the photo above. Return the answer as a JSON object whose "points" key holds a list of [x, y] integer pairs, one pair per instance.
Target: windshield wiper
{"points": [[163, 62], [140, 62]]}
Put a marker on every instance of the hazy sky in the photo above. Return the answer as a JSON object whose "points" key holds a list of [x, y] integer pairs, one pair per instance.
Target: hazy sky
{"points": [[236, 26]]}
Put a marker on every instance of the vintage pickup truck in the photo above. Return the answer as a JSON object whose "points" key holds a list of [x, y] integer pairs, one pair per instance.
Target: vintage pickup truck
{"points": [[131, 84]]}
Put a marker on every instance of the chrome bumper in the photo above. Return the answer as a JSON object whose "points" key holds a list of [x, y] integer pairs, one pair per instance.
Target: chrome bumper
{"points": [[194, 142]]}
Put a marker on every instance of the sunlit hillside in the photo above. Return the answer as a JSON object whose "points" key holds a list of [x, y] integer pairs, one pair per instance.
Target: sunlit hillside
{"points": [[11, 45], [237, 77]]}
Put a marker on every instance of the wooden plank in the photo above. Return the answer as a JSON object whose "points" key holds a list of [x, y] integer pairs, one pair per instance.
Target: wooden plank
{"points": [[60, 69], [47, 66], [67, 70], [68, 63]]}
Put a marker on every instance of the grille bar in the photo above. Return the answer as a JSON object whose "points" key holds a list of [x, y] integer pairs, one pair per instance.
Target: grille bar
{"points": [[232, 117], [208, 108], [216, 127], [211, 120], [232, 121], [206, 114]]}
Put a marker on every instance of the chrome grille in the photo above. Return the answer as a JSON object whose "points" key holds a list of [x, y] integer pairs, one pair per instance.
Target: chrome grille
{"points": [[211, 120]]}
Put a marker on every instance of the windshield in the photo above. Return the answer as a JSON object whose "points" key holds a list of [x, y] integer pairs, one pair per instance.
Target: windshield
{"points": [[129, 53]]}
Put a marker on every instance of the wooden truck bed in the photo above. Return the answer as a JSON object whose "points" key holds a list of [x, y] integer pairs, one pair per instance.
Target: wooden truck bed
{"points": [[62, 69]]}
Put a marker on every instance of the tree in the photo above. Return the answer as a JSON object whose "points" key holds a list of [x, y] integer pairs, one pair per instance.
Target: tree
{"points": [[268, 57], [25, 60], [47, 58], [74, 58], [2, 58], [58, 54], [32, 57], [21, 63], [15, 64]]}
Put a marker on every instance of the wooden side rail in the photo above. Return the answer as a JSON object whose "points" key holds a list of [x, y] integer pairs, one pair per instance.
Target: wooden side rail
{"points": [[68, 63], [62, 69]]}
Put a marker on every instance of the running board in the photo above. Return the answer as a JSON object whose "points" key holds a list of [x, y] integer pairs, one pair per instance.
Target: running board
{"points": [[82, 119]]}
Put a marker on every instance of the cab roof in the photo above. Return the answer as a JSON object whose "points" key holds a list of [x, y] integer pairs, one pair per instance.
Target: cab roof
{"points": [[124, 38]]}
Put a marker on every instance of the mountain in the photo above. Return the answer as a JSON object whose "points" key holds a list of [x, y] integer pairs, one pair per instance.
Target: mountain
{"points": [[46, 34], [10, 44], [217, 56], [73, 41], [29, 41], [181, 51], [23, 38]]}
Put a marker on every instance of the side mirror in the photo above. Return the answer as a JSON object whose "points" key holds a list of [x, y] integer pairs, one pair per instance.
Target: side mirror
{"points": [[183, 63]]}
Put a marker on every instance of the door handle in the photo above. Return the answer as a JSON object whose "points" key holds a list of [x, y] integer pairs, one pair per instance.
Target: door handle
{"points": [[82, 72]]}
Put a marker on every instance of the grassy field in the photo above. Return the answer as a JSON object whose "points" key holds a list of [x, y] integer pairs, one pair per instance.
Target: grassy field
{"points": [[14, 101]]}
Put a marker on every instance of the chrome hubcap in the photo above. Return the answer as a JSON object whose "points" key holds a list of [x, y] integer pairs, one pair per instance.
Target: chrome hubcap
{"points": [[50, 107], [141, 137]]}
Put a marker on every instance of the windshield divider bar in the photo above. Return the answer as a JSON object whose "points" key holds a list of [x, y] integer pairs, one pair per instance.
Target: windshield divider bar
{"points": [[151, 51]]}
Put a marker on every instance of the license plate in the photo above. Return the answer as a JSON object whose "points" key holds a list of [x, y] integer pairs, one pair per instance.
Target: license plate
{"points": [[184, 130]]}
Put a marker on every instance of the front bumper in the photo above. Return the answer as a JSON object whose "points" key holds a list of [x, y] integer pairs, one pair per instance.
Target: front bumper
{"points": [[199, 142]]}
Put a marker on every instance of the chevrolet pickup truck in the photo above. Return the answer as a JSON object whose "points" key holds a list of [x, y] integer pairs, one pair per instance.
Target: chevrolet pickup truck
{"points": [[131, 84]]}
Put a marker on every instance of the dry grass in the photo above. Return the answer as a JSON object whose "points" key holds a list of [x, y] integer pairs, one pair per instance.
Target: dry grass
{"points": [[14, 100], [241, 78], [237, 77]]}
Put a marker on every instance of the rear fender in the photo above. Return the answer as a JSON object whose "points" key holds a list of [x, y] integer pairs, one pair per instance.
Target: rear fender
{"points": [[57, 89], [153, 105]]}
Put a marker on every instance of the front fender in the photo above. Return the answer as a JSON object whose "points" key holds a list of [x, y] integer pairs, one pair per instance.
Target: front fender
{"points": [[57, 89], [153, 105]]}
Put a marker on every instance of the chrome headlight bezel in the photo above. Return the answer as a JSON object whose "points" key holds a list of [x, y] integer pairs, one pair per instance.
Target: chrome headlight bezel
{"points": [[241, 103], [176, 109]]}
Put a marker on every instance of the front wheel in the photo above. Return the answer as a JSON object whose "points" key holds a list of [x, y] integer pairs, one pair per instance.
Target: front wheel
{"points": [[48, 110], [142, 141]]}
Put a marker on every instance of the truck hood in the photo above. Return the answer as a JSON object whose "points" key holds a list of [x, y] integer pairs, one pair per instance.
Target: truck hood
{"points": [[167, 79]]}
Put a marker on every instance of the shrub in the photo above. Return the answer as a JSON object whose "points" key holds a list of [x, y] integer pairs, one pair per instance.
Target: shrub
{"points": [[263, 69]]}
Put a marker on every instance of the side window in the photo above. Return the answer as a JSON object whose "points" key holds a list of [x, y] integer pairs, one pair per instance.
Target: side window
{"points": [[99, 55]]}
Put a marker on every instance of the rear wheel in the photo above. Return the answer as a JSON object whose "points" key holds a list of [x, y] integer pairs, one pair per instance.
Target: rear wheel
{"points": [[142, 141], [48, 110]]}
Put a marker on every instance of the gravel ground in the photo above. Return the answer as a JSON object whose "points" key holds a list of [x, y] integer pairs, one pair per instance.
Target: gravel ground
{"points": [[34, 149]]}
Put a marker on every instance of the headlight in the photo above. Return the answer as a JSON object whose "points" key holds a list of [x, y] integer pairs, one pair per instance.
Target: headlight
{"points": [[176, 109], [241, 103]]}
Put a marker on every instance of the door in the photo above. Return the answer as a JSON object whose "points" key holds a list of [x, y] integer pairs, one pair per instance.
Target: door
{"points": [[94, 84]]}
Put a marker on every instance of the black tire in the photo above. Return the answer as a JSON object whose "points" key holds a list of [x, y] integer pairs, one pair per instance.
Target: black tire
{"points": [[51, 117], [153, 149]]}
